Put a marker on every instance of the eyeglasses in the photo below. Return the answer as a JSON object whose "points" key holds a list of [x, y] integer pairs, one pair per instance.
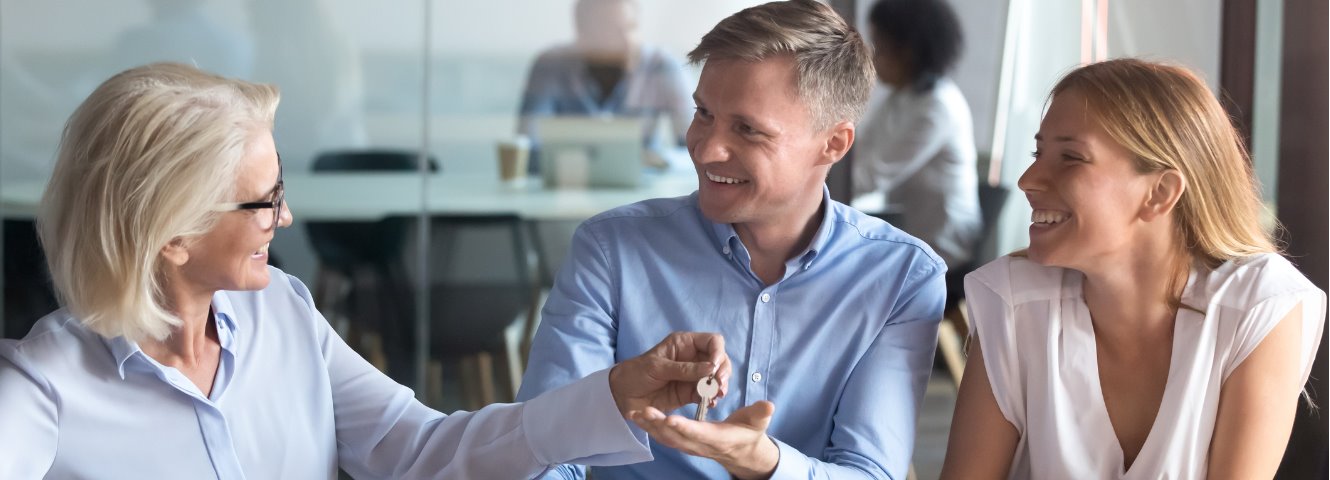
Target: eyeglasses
{"points": [[278, 198]]}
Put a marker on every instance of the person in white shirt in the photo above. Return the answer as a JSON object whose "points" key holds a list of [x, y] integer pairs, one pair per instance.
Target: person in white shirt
{"points": [[917, 146], [181, 354], [1151, 329]]}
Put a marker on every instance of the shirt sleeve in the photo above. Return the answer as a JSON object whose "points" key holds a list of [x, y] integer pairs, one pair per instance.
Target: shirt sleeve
{"points": [[577, 326], [383, 432], [538, 95], [29, 418], [990, 321], [1261, 319], [914, 138], [874, 424]]}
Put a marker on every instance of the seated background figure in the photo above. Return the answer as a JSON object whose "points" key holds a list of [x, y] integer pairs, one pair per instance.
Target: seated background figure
{"points": [[917, 146], [607, 71]]}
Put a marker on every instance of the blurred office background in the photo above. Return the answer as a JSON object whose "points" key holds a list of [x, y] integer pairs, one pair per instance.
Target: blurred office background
{"points": [[437, 279]]}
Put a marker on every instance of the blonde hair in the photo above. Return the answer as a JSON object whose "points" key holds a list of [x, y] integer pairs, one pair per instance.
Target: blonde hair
{"points": [[142, 161], [835, 67], [1167, 117]]}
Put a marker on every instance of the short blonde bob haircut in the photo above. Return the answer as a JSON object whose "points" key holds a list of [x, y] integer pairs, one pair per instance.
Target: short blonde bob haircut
{"points": [[142, 163], [1167, 117], [835, 66]]}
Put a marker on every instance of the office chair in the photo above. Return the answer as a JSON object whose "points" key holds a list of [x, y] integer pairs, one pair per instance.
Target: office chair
{"points": [[363, 276], [362, 285], [469, 320], [28, 293], [955, 322]]}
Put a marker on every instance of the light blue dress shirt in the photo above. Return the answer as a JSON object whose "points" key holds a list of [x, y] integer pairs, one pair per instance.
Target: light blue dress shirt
{"points": [[843, 344], [290, 400]]}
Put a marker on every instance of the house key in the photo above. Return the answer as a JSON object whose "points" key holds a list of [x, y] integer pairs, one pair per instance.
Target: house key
{"points": [[707, 388]]}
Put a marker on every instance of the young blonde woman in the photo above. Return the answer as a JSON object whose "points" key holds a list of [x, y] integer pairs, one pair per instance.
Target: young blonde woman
{"points": [[1151, 330]]}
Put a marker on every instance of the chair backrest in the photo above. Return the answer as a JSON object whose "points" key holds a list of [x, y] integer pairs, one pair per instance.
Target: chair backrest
{"points": [[991, 200], [343, 245], [371, 161]]}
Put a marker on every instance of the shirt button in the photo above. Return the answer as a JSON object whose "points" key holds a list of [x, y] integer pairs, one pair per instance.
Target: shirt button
{"points": [[757, 377], [766, 297], [725, 250]]}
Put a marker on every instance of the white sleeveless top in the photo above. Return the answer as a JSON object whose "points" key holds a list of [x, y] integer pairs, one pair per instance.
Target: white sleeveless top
{"points": [[1039, 350]]}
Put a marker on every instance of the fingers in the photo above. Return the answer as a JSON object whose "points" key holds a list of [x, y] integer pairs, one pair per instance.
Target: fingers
{"points": [[682, 434], [672, 371], [723, 375], [694, 346], [698, 347], [756, 416], [712, 346], [740, 443]]}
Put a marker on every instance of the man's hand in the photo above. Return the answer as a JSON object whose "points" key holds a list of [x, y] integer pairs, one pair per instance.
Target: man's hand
{"points": [[740, 443], [666, 376]]}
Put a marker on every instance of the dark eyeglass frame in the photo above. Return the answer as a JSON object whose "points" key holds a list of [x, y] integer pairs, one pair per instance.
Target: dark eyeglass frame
{"points": [[278, 199]]}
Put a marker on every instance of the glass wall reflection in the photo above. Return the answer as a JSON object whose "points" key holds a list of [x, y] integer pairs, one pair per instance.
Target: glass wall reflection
{"points": [[391, 115]]}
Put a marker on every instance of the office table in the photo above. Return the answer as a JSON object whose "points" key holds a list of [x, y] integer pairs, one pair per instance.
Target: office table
{"points": [[365, 196], [371, 196]]}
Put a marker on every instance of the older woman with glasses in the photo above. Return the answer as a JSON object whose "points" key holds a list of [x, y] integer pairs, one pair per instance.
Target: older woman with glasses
{"points": [[180, 353]]}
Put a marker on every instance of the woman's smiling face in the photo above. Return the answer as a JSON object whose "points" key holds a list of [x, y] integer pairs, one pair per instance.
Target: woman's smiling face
{"points": [[1083, 187], [234, 254]]}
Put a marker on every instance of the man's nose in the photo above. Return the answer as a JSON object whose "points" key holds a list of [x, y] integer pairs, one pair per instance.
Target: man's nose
{"points": [[708, 146]]}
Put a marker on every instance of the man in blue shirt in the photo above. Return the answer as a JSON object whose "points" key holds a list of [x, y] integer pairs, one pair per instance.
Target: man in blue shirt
{"points": [[828, 314]]}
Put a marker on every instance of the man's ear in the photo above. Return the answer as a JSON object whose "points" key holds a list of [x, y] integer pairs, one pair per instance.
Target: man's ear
{"points": [[176, 252], [1164, 194], [839, 138]]}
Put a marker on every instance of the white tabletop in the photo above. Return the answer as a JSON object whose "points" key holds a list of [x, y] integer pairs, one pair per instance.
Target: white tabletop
{"points": [[371, 196]]}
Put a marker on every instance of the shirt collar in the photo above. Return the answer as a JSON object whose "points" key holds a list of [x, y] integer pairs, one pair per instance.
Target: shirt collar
{"points": [[225, 314], [727, 239], [123, 348]]}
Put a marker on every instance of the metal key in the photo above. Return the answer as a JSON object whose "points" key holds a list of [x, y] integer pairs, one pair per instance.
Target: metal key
{"points": [[707, 388]]}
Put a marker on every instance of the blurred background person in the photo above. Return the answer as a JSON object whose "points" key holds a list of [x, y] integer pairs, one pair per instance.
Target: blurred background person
{"points": [[298, 44], [609, 71], [917, 149], [183, 31], [1152, 329]]}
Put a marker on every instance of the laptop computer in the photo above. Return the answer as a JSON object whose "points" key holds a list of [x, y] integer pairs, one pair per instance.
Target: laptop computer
{"points": [[590, 152]]}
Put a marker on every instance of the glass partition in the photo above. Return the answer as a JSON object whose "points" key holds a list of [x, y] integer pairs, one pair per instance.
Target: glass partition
{"points": [[389, 129]]}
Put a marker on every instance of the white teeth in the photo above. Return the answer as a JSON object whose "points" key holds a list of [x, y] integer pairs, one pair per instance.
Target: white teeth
{"points": [[1048, 217], [720, 179], [263, 250]]}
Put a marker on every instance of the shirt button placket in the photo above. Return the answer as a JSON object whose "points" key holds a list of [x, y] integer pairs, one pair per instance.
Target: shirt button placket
{"points": [[760, 359]]}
